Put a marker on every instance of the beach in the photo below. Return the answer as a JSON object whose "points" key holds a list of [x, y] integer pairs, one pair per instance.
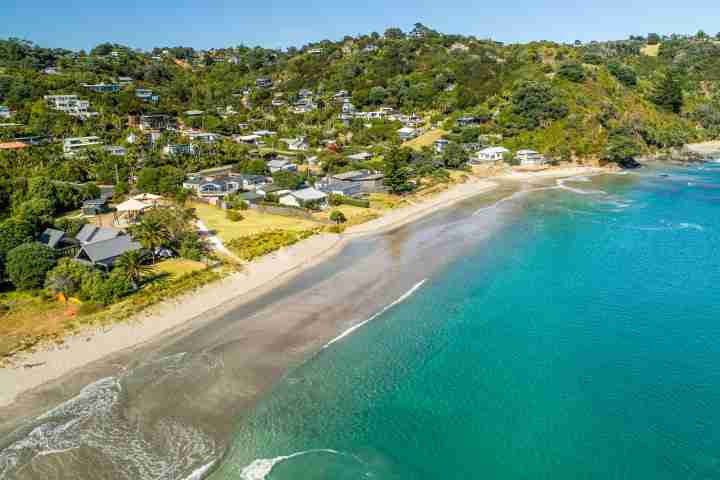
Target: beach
{"points": [[52, 362]]}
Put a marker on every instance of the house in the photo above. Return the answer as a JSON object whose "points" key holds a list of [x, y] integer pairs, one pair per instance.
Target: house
{"points": [[51, 71], [440, 144], [202, 137], [279, 165], [268, 189], [492, 154], [5, 112], [179, 149], [472, 147], [104, 253], [264, 82], [247, 139], [407, 133], [156, 121], [369, 182], [146, 95], [360, 157], [264, 133], [467, 121], [69, 104], [92, 233], [73, 145], [103, 87], [54, 239], [116, 150], [529, 158], [125, 81], [315, 51], [194, 113], [348, 107], [251, 197], [297, 144], [95, 206], [305, 198], [344, 189], [223, 184]]}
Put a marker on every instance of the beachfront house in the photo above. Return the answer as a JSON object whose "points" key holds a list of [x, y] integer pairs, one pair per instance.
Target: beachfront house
{"points": [[342, 189], [71, 146], [103, 253], [305, 198], [492, 154], [529, 158], [406, 133]]}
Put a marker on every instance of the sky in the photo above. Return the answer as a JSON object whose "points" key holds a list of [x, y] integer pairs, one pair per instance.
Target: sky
{"points": [[203, 24]]}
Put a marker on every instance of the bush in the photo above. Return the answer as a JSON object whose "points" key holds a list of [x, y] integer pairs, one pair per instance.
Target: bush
{"points": [[13, 233], [233, 216], [105, 289], [338, 217], [253, 246], [28, 265], [572, 71]]}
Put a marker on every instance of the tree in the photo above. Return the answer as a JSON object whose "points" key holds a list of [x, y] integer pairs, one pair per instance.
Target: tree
{"points": [[653, 39], [13, 233], [621, 148], [537, 102], [132, 265], [338, 217], [285, 179], [623, 73], [151, 233], [572, 71], [668, 93], [396, 169], [28, 265], [377, 95], [454, 156]]}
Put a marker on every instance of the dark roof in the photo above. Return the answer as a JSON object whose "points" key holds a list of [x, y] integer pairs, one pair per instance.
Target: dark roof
{"points": [[346, 188], [251, 196], [51, 237], [358, 176], [106, 251], [91, 233], [95, 202]]}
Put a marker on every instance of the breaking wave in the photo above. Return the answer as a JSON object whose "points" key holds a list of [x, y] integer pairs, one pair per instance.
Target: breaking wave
{"points": [[261, 467]]}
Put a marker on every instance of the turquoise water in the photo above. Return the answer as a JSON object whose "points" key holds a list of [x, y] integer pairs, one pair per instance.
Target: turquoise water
{"points": [[582, 340]]}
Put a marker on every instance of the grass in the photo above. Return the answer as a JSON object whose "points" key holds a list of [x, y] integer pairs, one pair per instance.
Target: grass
{"points": [[386, 201], [354, 215], [425, 140], [177, 267], [253, 223], [650, 50]]}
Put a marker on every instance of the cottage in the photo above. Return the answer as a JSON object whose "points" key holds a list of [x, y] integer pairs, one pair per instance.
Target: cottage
{"points": [[279, 165], [407, 133], [492, 154], [529, 158], [104, 253], [305, 198]]}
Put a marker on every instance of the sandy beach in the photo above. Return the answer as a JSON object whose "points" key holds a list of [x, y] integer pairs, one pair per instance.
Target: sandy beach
{"points": [[257, 278]]}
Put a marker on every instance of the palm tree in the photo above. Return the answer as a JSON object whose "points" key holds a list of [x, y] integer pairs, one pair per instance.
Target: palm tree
{"points": [[132, 264], [150, 233]]}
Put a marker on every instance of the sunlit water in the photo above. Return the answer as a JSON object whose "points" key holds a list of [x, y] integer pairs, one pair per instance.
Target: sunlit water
{"points": [[582, 340]]}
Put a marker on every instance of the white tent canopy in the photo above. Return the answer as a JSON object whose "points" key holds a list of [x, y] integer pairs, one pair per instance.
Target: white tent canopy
{"points": [[147, 197], [132, 205]]}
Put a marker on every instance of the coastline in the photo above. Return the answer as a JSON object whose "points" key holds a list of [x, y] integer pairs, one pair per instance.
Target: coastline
{"points": [[258, 277]]}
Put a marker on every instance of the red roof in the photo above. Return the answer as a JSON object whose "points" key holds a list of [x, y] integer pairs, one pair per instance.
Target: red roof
{"points": [[12, 146]]}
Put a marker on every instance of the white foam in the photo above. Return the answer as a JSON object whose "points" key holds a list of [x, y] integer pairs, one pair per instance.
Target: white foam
{"points": [[404, 297], [261, 467], [562, 184], [199, 472], [691, 226]]}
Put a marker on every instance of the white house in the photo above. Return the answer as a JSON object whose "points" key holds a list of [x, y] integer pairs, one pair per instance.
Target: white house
{"points": [[529, 158], [440, 144], [299, 144], [280, 165], [247, 139], [5, 112], [69, 104], [72, 145], [179, 149], [492, 154], [202, 137], [305, 197]]}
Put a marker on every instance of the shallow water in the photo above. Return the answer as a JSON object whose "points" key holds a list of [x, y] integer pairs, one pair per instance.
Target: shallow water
{"points": [[581, 340]]}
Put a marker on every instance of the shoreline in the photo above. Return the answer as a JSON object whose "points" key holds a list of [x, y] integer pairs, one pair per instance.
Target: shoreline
{"points": [[258, 277]]}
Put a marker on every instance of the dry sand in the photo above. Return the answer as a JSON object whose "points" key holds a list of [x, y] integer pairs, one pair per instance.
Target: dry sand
{"points": [[256, 278]]}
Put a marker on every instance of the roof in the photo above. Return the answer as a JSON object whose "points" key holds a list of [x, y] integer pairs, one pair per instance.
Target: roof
{"points": [[251, 196], [527, 152], [406, 130], [131, 205], [91, 233], [106, 250], [494, 150], [346, 188], [277, 163], [51, 237], [360, 156], [358, 176], [194, 112], [95, 202], [144, 197], [12, 146], [308, 194]]}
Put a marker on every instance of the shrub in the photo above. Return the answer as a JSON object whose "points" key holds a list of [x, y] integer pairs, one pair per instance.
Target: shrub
{"points": [[28, 264], [234, 216], [338, 217], [572, 71], [105, 289], [253, 246], [13, 233]]}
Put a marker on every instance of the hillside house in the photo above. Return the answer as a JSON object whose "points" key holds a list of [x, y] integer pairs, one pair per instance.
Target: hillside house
{"points": [[247, 139], [297, 144], [70, 105], [440, 144], [179, 149], [264, 82], [103, 87], [71, 146]]}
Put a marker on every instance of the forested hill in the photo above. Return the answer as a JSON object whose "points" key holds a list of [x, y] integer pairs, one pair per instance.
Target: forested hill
{"points": [[600, 100]]}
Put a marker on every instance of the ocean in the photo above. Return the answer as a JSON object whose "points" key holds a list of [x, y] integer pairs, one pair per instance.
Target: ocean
{"points": [[568, 330], [580, 340]]}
